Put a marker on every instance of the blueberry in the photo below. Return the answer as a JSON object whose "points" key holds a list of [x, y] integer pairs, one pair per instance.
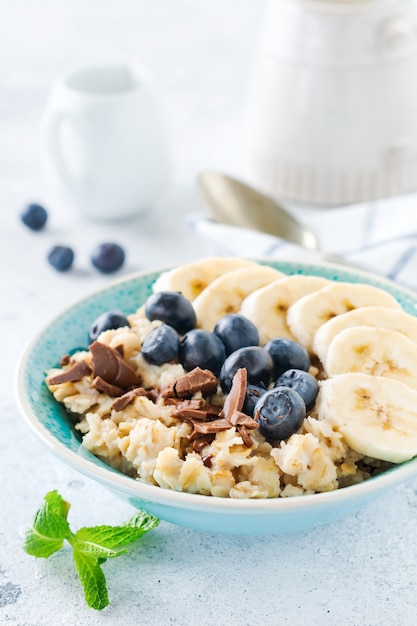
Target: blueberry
{"points": [[304, 383], [253, 393], [108, 257], [280, 413], [106, 321], [236, 332], [287, 354], [61, 258], [200, 348], [172, 308], [34, 216], [257, 362], [161, 345]]}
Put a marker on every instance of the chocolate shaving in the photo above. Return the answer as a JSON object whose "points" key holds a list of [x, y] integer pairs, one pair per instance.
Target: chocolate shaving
{"points": [[236, 396], [241, 419], [189, 384], [111, 367], [111, 390], [74, 374], [121, 403], [245, 436]]}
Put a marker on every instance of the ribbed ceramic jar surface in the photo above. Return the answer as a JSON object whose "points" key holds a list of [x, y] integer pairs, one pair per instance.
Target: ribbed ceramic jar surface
{"points": [[331, 113]]}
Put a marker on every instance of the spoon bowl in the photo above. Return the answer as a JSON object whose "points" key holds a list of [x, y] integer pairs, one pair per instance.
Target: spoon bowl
{"points": [[232, 202]]}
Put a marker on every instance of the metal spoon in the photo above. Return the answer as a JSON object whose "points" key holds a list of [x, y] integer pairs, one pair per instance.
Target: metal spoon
{"points": [[232, 202]]}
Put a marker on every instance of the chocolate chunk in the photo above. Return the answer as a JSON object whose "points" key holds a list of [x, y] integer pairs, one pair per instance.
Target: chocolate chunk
{"points": [[189, 409], [101, 385], [122, 402], [65, 360], [190, 414], [168, 394], [196, 380], [202, 441], [236, 397], [121, 350], [189, 404], [74, 374], [172, 401], [213, 411], [189, 384], [111, 367], [207, 460]]}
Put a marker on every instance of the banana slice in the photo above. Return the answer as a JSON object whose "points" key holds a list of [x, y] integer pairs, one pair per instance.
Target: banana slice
{"points": [[310, 312], [377, 416], [393, 319], [192, 278], [226, 294], [374, 351], [267, 307]]}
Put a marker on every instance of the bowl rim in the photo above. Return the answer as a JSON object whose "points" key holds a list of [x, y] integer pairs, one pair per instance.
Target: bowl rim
{"points": [[135, 488]]}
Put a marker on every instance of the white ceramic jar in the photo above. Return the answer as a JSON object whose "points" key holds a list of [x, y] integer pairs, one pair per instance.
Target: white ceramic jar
{"points": [[331, 113]]}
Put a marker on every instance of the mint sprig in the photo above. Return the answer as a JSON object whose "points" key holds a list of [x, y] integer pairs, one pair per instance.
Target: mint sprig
{"points": [[91, 546]]}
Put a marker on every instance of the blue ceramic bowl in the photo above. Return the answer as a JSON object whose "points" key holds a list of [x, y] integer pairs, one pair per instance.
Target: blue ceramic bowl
{"points": [[268, 516]]}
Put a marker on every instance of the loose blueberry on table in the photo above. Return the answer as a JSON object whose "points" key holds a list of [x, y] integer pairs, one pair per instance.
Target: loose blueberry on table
{"points": [[108, 257], [61, 258], [34, 216]]}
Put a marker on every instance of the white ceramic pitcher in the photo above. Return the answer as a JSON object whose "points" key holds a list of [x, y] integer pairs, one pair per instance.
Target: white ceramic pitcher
{"points": [[331, 112], [105, 141]]}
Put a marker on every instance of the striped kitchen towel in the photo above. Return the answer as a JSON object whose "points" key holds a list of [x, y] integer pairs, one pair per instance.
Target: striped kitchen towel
{"points": [[380, 237]]}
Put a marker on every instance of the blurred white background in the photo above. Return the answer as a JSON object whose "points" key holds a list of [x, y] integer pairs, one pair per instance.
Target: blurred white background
{"points": [[198, 52]]}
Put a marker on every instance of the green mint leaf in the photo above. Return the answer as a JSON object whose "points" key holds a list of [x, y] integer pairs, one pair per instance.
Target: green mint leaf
{"points": [[92, 549], [92, 546], [92, 579], [113, 537], [57, 504], [49, 527], [143, 521]]}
